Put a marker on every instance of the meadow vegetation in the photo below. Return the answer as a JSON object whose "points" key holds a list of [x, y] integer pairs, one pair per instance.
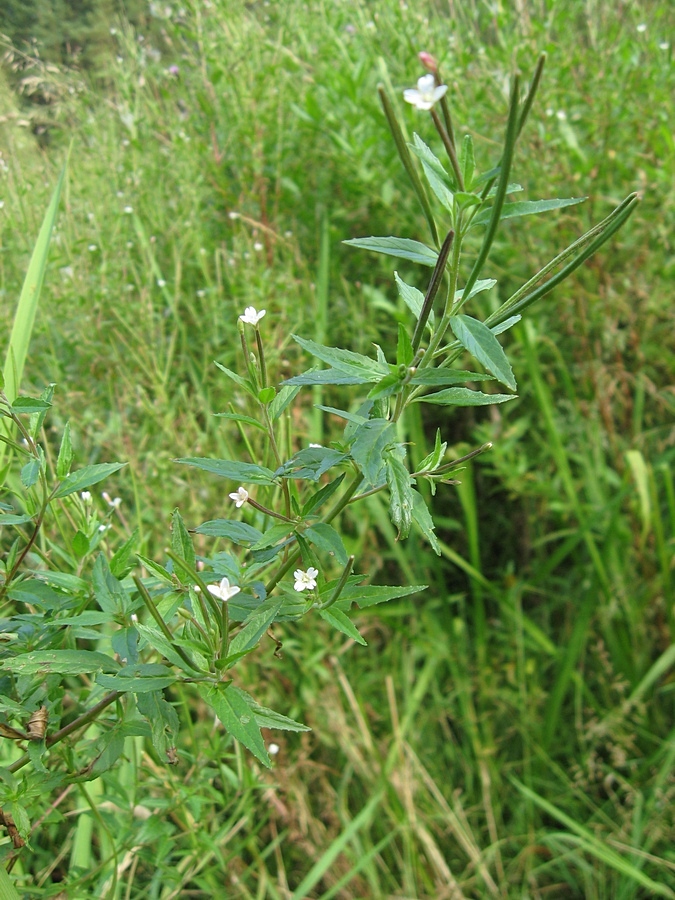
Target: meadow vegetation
{"points": [[508, 732]]}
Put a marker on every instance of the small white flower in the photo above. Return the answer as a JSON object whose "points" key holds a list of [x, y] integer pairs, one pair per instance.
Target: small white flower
{"points": [[161, 283], [134, 617], [272, 749], [92, 248], [86, 497], [642, 27], [233, 215], [305, 581], [240, 497], [116, 503], [224, 590], [102, 528], [201, 293], [426, 93], [257, 246], [561, 115], [251, 316], [664, 45], [128, 210]]}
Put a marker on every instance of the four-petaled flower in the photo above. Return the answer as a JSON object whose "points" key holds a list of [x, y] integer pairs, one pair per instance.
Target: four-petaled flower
{"points": [[252, 316], [224, 590], [240, 496], [426, 93], [305, 581]]}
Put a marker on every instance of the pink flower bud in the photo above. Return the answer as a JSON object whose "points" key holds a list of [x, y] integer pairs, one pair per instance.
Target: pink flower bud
{"points": [[429, 62]]}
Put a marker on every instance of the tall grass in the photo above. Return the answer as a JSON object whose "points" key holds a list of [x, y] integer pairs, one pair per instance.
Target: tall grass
{"points": [[510, 733]]}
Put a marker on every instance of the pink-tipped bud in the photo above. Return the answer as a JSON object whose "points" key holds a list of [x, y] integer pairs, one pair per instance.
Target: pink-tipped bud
{"points": [[429, 62]]}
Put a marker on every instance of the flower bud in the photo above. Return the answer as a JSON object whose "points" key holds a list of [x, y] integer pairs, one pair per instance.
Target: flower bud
{"points": [[429, 62]]}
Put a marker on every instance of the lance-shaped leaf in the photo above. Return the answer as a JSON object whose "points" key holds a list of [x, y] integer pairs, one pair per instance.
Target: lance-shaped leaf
{"points": [[181, 542], [340, 620], [327, 376], [423, 520], [439, 180], [481, 343], [346, 361], [60, 662], [237, 718], [442, 377], [413, 299], [84, 478], [525, 208], [325, 537], [269, 718], [400, 494], [138, 679], [237, 532], [464, 397], [311, 463], [403, 248], [369, 595], [370, 440], [255, 626], [244, 473]]}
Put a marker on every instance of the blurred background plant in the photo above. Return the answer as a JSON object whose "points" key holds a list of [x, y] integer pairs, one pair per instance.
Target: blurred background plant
{"points": [[222, 153]]}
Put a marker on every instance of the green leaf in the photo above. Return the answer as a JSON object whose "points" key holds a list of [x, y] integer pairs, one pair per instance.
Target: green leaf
{"points": [[325, 537], [311, 463], [526, 208], [440, 377], [266, 395], [274, 534], [242, 382], [413, 299], [438, 178], [120, 562], [345, 360], [162, 718], [244, 473], [467, 162], [481, 343], [138, 679], [237, 532], [29, 405], [404, 350], [340, 620], [30, 472], [80, 544], [111, 596], [424, 522], [483, 284], [255, 625], [159, 642], [65, 458], [7, 889], [84, 478], [60, 662], [506, 324], [283, 399], [237, 717], [400, 494], [317, 500], [328, 376], [369, 595], [156, 569], [435, 458], [403, 248], [15, 520], [369, 442], [268, 718], [181, 542], [463, 397]]}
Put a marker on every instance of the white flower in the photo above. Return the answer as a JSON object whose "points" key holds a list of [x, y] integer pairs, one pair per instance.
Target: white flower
{"points": [[642, 27], [128, 209], [272, 749], [224, 590], [251, 316], [161, 283], [92, 248], [86, 496], [664, 45], [305, 581], [426, 93], [257, 246], [240, 497]]}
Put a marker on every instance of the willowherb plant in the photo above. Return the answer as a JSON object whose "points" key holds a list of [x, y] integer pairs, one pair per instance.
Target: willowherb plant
{"points": [[86, 639]]}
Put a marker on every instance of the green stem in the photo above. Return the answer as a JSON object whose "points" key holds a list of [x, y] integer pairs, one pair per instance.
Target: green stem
{"points": [[449, 148], [154, 612]]}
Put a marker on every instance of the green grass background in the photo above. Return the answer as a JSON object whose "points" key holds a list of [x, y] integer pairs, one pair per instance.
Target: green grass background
{"points": [[509, 733]]}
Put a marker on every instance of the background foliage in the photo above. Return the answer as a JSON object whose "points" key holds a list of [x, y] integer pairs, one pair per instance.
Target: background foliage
{"points": [[508, 733]]}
